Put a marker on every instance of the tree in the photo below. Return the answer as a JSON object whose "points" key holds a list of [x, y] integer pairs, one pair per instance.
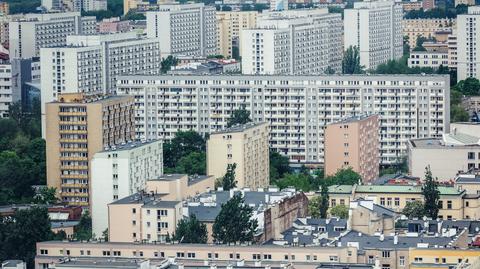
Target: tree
{"points": [[318, 205], [190, 230], [279, 165], [344, 176], [414, 209], [351, 61], [469, 87], [105, 235], [234, 223], [228, 180], [184, 143], [20, 234], [239, 116], [60, 235], [431, 194], [314, 206], [458, 114], [83, 231], [298, 181], [134, 16], [46, 196], [167, 63], [339, 211], [194, 163]]}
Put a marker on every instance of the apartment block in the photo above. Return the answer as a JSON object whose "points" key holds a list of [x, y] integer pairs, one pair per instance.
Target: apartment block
{"points": [[229, 26], [279, 43], [91, 63], [120, 171], [77, 127], [297, 108], [113, 25], [246, 146], [453, 202], [34, 31], [468, 62], [189, 29], [354, 142], [375, 28], [152, 214], [455, 152], [433, 57], [4, 8], [427, 28]]}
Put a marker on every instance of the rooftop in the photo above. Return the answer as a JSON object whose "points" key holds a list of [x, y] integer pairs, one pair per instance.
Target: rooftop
{"points": [[148, 200], [354, 119], [472, 179], [100, 263], [239, 128], [129, 145], [390, 189]]}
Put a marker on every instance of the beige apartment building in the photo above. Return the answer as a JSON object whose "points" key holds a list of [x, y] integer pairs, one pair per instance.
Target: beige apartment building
{"points": [[247, 146], [77, 127], [428, 28], [153, 215], [229, 26], [353, 142], [454, 203]]}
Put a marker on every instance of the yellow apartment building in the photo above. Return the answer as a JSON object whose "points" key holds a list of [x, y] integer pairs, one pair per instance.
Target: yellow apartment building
{"points": [[245, 145], [229, 27], [77, 127]]}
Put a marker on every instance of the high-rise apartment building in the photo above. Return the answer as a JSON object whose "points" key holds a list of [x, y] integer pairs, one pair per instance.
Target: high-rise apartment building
{"points": [[34, 31], [77, 127], [279, 44], [353, 142], [230, 25], [297, 108], [74, 5], [91, 63], [120, 171], [188, 29], [375, 28], [247, 147], [468, 38], [4, 8]]}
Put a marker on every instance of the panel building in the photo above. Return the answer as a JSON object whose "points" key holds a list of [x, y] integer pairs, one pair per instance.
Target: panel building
{"points": [[468, 38], [230, 25], [77, 127], [297, 108], [375, 28], [188, 29], [34, 31], [120, 171], [293, 42], [246, 146], [353, 142]]}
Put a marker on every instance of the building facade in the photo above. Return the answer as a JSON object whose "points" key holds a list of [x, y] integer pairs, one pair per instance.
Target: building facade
{"points": [[297, 108], [246, 146], [278, 44], [229, 26], [375, 28], [120, 171], [353, 142], [34, 31], [458, 151], [427, 28], [189, 29], [429, 58], [468, 62], [77, 127]]}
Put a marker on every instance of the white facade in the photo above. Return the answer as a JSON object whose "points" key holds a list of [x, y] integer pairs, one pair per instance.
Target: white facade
{"points": [[91, 63], [375, 27], [297, 108], [6, 95], [468, 40], [433, 59], [35, 31], [188, 29], [278, 5], [120, 172], [74, 5], [279, 45]]}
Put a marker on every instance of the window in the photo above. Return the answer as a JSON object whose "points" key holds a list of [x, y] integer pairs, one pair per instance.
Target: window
{"points": [[467, 203], [386, 254], [471, 156], [397, 201], [437, 260], [382, 201], [333, 258], [444, 260], [389, 201], [117, 253], [449, 204], [106, 253], [440, 204], [191, 255], [44, 251], [371, 260], [134, 210], [401, 261], [333, 202], [267, 256], [256, 256], [285, 257], [385, 266], [418, 259], [180, 255]]}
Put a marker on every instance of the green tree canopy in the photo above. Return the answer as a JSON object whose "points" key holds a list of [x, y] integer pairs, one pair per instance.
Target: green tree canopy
{"points": [[414, 209], [234, 223], [228, 180], [190, 230], [167, 63], [83, 231], [431, 194], [279, 165], [339, 211], [351, 61], [345, 176], [182, 145], [468, 87], [239, 116], [318, 205], [46, 196]]}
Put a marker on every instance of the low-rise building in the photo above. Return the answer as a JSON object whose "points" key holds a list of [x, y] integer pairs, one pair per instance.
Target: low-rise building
{"points": [[14, 264], [435, 55], [447, 156], [472, 105], [427, 28], [247, 147], [354, 142], [411, 5], [113, 25], [206, 68], [120, 171]]}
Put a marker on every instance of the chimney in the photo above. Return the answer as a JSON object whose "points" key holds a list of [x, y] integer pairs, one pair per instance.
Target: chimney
{"points": [[395, 239], [267, 198], [382, 237], [231, 193]]}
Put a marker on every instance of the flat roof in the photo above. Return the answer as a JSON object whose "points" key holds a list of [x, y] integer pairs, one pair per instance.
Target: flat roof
{"points": [[353, 119], [239, 128], [129, 145], [148, 200], [99, 263]]}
